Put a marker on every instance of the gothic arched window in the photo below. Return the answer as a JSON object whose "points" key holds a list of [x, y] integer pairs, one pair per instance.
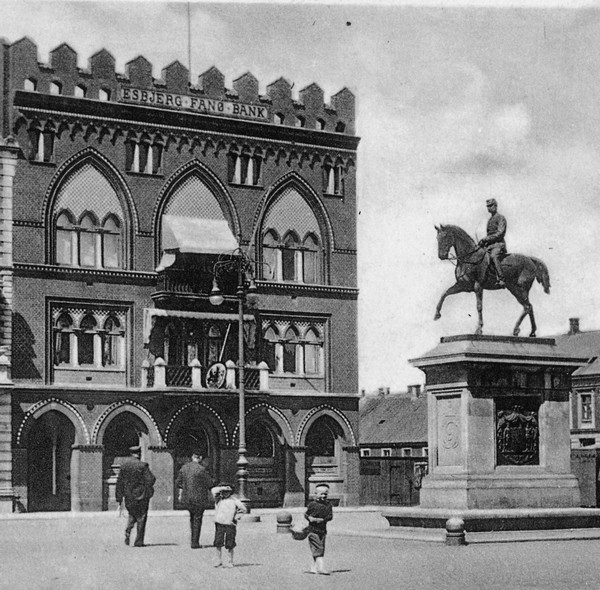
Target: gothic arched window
{"points": [[86, 340], [310, 260], [290, 345]]}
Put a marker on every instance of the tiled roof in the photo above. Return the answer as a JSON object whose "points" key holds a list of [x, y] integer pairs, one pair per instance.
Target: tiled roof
{"points": [[585, 344], [393, 418]]}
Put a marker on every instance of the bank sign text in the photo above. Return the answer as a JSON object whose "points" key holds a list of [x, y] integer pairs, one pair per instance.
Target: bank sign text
{"points": [[194, 103]]}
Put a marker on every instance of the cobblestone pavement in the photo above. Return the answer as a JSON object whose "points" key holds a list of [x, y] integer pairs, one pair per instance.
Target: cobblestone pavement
{"points": [[87, 552]]}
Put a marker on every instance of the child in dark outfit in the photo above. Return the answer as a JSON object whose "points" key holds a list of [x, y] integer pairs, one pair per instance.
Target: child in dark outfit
{"points": [[318, 513]]}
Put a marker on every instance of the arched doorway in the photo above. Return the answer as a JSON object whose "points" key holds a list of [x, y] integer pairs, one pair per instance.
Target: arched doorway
{"points": [[124, 431], [266, 464], [49, 448], [324, 441], [189, 434]]}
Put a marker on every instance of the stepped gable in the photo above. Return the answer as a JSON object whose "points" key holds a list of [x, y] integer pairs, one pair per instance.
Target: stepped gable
{"points": [[62, 69]]}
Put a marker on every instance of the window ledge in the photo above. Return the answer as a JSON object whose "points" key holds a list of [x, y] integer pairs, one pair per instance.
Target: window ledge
{"points": [[40, 163], [243, 185], [145, 174], [333, 195]]}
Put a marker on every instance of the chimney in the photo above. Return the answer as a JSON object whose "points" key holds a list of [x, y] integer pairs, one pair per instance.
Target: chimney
{"points": [[414, 391], [573, 325]]}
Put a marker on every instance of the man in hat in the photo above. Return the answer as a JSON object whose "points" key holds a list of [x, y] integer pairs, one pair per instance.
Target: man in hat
{"points": [[194, 486], [494, 240], [135, 484]]}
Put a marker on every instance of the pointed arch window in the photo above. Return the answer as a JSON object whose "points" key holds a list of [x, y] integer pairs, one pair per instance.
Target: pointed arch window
{"points": [[66, 239], [333, 179], [290, 352], [299, 351], [63, 344], [271, 257], [111, 243], [30, 84], [42, 145], [272, 350], [88, 341], [55, 88], [87, 244], [80, 91], [112, 346], [289, 259], [292, 240], [245, 169], [310, 260], [313, 346], [88, 233], [143, 157]]}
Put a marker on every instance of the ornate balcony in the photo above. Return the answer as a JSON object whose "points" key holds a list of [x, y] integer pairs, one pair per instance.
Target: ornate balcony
{"points": [[161, 376]]}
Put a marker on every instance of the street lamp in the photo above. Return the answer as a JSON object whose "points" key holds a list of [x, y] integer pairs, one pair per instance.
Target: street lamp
{"points": [[243, 265]]}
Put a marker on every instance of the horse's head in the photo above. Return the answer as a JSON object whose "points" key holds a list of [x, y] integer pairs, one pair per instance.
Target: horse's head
{"points": [[445, 241]]}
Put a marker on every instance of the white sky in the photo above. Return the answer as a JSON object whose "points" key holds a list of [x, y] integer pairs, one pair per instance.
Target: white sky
{"points": [[455, 105]]}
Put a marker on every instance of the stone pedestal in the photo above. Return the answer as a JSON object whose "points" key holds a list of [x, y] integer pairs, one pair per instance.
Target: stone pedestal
{"points": [[498, 428]]}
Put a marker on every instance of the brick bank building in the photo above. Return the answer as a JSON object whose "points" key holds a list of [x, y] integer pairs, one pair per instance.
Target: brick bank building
{"points": [[118, 193]]}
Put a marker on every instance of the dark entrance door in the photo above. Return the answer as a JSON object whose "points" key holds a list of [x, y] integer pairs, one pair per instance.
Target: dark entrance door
{"points": [[125, 431], [403, 491], [49, 447], [190, 436]]}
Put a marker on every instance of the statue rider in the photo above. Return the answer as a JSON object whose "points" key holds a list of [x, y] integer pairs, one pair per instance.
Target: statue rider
{"points": [[494, 240]]}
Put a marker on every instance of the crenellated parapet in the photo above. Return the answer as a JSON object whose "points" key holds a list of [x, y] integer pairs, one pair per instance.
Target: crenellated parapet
{"points": [[209, 95]]}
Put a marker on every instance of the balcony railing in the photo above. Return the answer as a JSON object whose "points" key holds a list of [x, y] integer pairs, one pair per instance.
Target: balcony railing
{"points": [[160, 375]]}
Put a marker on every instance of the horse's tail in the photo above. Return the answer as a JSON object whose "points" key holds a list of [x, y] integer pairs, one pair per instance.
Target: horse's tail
{"points": [[541, 274]]}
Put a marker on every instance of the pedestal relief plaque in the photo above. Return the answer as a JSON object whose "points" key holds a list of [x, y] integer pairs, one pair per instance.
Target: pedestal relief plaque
{"points": [[517, 431], [449, 439]]}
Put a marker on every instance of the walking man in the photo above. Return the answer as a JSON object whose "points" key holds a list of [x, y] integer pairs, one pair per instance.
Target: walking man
{"points": [[135, 484], [494, 240], [194, 484]]}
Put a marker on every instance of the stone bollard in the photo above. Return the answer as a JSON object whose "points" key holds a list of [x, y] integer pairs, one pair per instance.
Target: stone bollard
{"points": [[455, 531], [284, 521]]}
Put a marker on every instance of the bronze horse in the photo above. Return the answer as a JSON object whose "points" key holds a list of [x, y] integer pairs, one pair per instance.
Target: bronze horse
{"points": [[474, 273]]}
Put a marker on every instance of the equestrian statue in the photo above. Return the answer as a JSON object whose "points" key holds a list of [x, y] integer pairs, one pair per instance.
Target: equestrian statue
{"points": [[486, 265]]}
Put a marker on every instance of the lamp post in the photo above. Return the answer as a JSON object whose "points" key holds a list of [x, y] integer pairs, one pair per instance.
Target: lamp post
{"points": [[244, 267]]}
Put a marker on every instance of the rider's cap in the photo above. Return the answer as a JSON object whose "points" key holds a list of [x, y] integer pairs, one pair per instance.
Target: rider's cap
{"points": [[491, 202]]}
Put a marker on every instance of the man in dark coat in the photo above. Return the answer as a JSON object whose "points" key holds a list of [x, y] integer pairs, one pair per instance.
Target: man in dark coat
{"points": [[135, 484], [194, 484]]}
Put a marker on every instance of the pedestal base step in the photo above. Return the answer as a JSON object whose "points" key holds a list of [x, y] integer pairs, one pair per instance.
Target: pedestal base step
{"points": [[519, 519]]}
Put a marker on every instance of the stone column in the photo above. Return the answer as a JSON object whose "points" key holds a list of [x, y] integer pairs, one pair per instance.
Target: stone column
{"points": [[295, 480], [9, 150], [87, 459], [160, 460]]}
